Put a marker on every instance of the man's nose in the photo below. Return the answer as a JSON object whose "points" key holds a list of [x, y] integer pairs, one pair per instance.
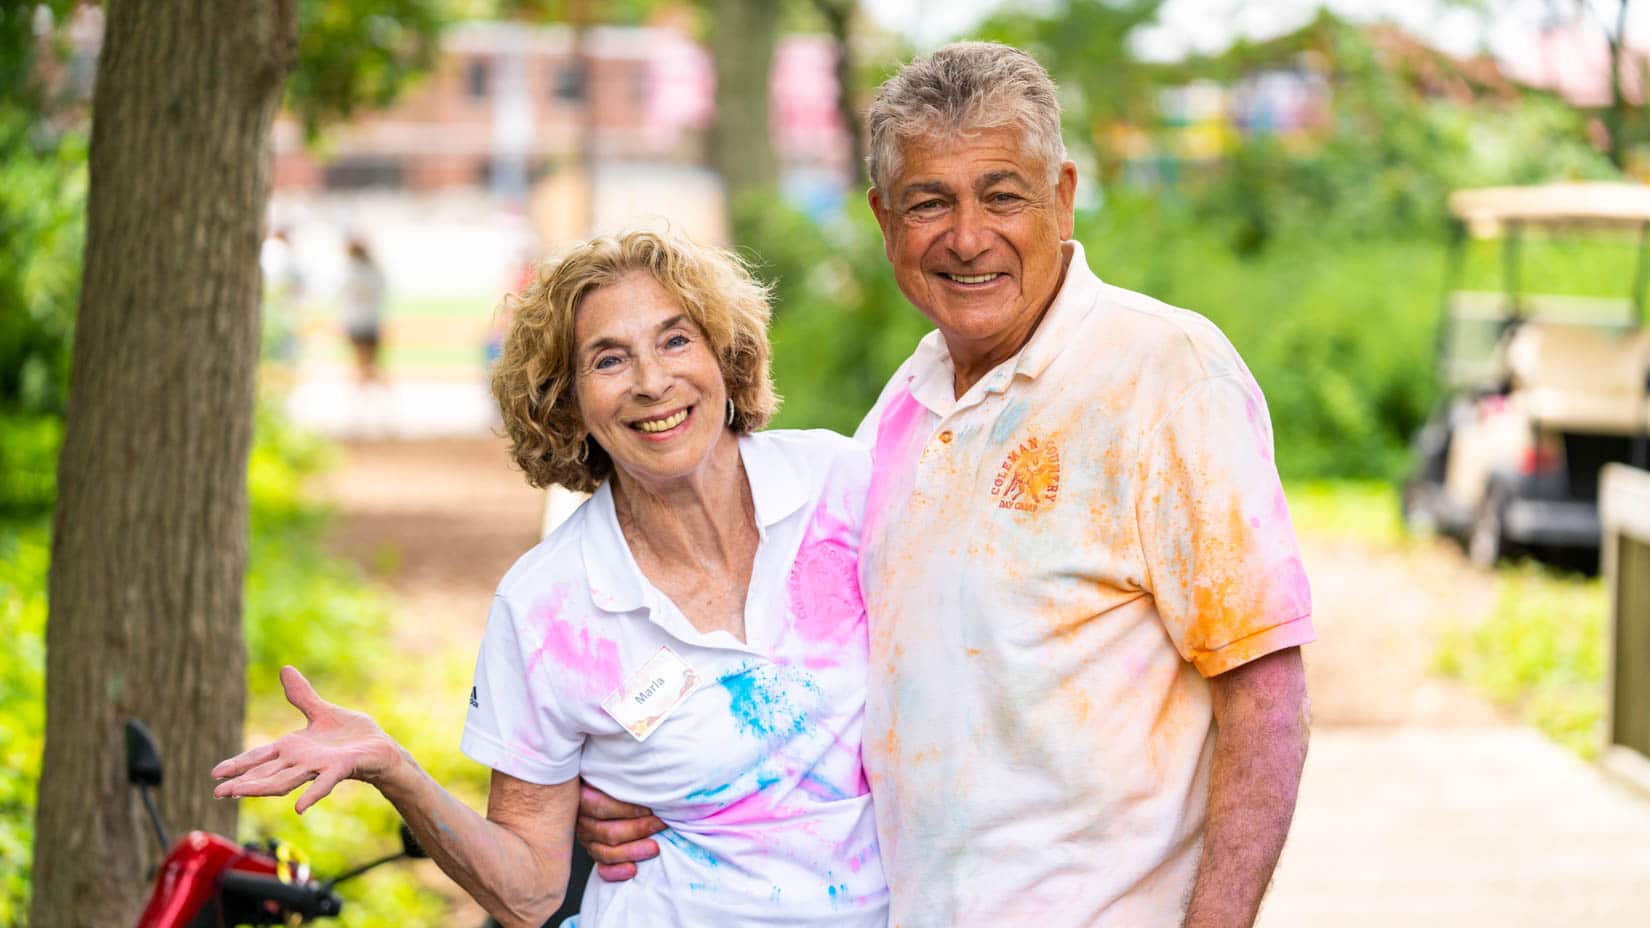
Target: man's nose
{"points": [[969, 235]]}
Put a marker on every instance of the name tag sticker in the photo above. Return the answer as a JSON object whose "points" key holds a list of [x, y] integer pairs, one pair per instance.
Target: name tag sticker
{"points": [[651, 692]]}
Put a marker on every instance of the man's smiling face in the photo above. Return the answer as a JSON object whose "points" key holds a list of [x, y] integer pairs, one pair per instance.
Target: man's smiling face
{"points": [[973, 228]]}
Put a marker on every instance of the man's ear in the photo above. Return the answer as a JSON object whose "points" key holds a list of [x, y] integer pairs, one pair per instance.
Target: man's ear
{"points": [[1065, 191], [885, 216]]}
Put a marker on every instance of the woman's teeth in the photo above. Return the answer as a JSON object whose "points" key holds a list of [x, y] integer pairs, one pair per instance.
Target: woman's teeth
{"points": [[663, 425], [972, 278]]}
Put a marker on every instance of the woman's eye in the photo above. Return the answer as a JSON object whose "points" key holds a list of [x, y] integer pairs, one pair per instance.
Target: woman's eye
{"points": [[605, 361], [676, 341]]}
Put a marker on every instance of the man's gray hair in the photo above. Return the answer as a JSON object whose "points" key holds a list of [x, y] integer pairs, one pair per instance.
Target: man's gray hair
{"points": [[961, 88]]}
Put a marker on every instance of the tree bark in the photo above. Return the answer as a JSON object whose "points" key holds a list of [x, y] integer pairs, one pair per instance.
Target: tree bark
{"points": [[743, 34], [151, 524], [1618, 95], [838, 16]]}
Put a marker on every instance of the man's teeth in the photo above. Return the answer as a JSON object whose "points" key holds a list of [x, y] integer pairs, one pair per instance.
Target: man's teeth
{"points": [[663, 425], [971, 278]]}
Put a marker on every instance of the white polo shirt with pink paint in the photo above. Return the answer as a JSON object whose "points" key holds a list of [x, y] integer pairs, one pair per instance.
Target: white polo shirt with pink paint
{"points": [[757, 770], [1053, 564]]}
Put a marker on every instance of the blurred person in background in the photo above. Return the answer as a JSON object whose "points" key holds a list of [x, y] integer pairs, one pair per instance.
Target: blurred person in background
{"points": [[692, 638], [1086, 704], [283, 295], [361, 308]]}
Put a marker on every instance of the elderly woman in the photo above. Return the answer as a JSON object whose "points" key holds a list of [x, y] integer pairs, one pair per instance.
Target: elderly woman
{"points": [[691, 639]]}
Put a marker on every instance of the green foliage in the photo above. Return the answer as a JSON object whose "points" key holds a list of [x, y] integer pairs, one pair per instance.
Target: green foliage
{"points": [[1358, 510], [354, 55], [24, 552], [841, 325], [42, 193], [1084, 44], [1390, 158], [301, 607], [1541, 653], [1339, 336]]}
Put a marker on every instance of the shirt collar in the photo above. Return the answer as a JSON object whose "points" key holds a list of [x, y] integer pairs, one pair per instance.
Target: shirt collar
{"points": [[778, 490], [933, 376]]}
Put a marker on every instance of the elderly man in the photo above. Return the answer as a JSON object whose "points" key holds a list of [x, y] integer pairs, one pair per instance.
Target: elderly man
{"points": [[1086, 702]]}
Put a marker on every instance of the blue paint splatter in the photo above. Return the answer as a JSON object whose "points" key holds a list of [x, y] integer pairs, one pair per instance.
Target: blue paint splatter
{"points": [[692, 850], [761, 700], [838, 893], [710, 793], [1008, 422]]}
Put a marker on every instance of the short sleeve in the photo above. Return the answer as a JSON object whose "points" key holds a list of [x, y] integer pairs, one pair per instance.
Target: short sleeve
{"points": [[1223, 564], [512, 727]]}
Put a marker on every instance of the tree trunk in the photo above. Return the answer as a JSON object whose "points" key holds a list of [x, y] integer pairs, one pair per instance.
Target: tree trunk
{"points": [[743, 34], [838, 16], [151, 526], [1619, 53]]}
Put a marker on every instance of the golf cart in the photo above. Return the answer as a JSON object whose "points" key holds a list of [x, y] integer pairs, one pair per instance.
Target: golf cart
{"points": [[1540, 391]]}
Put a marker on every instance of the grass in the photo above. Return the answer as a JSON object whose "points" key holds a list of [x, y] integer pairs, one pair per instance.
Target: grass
{"points": [[1540, 653], [1358, 510]]}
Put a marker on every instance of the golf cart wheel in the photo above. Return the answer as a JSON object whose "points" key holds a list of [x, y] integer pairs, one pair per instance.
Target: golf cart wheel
{"points": [[1487, 536], [1417, 515]]}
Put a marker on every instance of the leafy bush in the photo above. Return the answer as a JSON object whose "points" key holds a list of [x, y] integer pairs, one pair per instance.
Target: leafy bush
{"points": [[42, 193], [1541, 653], [301, 606], [24, 552], [841, 325]]}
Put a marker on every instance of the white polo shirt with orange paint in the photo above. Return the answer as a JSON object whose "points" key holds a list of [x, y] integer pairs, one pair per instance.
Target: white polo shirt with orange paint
{"points": [[1052, 565]]}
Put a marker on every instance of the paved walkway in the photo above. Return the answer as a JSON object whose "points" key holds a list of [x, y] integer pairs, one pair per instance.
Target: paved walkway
{"points": [[1462, 828]]}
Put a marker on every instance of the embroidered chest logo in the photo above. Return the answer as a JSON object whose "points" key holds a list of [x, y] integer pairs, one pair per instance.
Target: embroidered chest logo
{"points": [[1029, 479]]}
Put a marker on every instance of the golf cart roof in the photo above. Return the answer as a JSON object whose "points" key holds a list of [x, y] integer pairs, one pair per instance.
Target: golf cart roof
{"points": [[1486, 210]]}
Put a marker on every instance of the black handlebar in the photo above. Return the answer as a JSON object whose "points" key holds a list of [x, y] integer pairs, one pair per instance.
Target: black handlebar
{"points": [[310, 900]]}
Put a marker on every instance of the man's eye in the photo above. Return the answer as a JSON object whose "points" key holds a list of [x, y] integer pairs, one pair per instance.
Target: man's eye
{"points": [[928, 206], [1005, 198]]}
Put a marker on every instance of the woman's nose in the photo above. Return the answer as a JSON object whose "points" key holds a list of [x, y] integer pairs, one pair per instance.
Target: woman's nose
{"points": [[652, 378]]}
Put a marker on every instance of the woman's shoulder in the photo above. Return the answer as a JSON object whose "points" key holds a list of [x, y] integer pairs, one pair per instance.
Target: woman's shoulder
{"points": [[558, 558], [814, 443], [821, 453]]}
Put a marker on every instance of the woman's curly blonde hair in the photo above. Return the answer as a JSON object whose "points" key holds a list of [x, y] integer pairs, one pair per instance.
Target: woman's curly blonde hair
{"points": [[534, 377]]}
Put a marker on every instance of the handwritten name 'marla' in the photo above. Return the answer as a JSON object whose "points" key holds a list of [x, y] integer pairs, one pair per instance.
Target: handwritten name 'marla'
{"points": [[652, 688]]}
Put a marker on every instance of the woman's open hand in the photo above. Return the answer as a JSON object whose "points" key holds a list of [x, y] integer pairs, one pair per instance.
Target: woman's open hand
{"points": [[336, 745]]}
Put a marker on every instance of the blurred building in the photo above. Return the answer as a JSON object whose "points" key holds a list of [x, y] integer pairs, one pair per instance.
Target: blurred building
{"points": [[509, 104]]}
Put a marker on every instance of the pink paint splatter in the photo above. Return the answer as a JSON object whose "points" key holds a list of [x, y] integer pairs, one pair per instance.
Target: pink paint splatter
{"points": [[824, 588], [1252, 404], [901, 433], [593, 659]]}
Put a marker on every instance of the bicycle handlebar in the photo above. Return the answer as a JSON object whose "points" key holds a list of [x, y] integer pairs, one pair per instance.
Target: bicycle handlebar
{"points": [[309, 900]]}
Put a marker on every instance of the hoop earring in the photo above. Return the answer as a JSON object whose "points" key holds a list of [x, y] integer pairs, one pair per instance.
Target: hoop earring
{"points": [[584, 451], [730, 410]]}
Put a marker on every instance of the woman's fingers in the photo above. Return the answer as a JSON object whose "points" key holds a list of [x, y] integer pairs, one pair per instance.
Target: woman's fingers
{"points": [[242, 762], [302, 696], [273, 782], [323, 785]]}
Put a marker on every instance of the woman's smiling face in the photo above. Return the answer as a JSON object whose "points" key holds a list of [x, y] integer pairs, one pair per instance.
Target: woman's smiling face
{"points": [[648, 383]]}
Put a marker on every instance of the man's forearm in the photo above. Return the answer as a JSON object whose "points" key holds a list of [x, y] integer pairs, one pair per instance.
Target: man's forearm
{"points": [[501, 871], [1261, 722]]}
